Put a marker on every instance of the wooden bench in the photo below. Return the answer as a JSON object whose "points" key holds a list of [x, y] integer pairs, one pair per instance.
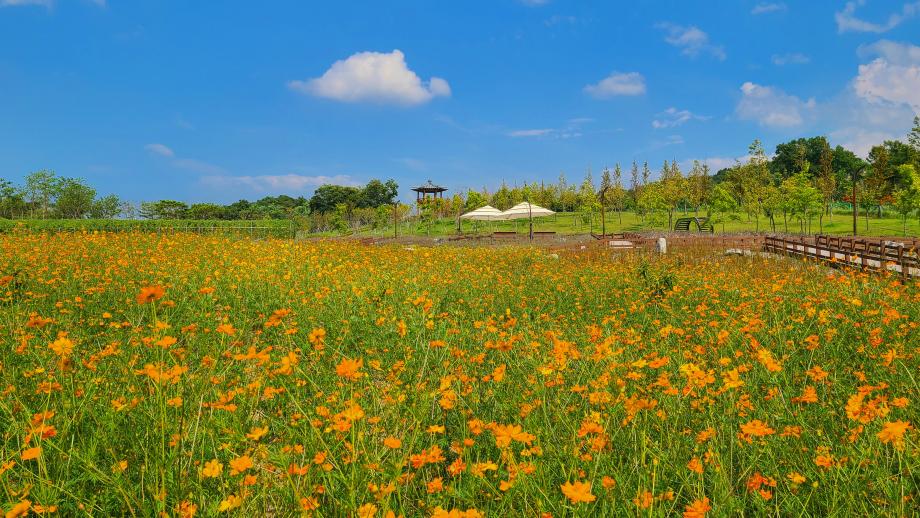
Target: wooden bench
{"points": [[504, 234], [544, 233]]}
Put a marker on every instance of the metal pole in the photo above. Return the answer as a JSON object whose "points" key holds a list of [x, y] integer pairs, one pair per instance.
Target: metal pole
{"points": [[395, 223], [855, 209]]}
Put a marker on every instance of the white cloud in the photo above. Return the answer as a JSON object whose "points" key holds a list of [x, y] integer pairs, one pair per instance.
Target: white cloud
{"points": [[672, 117], [618, 83], [189, 164], [197, 166], [848, 22], [530, 133], [792, 58], [160, 149], [285, 183], [772, 107], [716, 163], [893, 77], [764, 8], [15, 3], [691, 40], [374, 77]]}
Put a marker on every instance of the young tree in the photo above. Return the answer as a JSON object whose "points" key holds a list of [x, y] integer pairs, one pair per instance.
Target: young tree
{"points": [[673, 189], [74, 198], [106, 207], [803, 199], [42, 187], [722, 205], [826, 182]]}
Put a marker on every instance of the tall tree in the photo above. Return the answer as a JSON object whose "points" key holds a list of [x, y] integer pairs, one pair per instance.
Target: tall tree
{"points": [[826, 182]]}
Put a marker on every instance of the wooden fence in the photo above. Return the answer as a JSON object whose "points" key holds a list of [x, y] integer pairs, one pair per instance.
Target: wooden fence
{"points": [[878, 254]]}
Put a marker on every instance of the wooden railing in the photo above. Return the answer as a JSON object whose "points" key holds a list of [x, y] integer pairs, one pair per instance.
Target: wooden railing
{"points": [[879, 254]]}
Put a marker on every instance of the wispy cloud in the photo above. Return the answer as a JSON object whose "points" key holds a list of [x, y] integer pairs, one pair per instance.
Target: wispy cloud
{"points": [[768, 7], [616, 84], [530, 133], [672, 117], [188, 164], [691, 40], [792, 58], [377, 77], [160, 149], [17, 3], [848, 22], [285, 183], [571, 129]]}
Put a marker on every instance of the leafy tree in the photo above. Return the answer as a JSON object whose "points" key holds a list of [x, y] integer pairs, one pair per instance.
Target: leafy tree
{"points": [[74, 198], [327, 198], [913, 138], [12, 200], [42, 187], [722, 205], [803, 199], [206, 211], [164, 209], [106, 207], [826, 182], [377, 193]]}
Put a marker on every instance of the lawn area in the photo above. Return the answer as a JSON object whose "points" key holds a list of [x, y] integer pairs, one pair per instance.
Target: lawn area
{"points": [[570, 223], [143, 374]]}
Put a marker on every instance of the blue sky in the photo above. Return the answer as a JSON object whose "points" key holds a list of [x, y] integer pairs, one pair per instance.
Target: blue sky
{"points": [[216, 101]]}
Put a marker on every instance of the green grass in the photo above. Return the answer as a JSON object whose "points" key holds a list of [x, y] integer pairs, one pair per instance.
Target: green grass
{"points": [[571, 223]]}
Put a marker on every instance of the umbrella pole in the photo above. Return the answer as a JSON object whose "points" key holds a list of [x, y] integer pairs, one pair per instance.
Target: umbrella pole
{"points": [[530, 213]]}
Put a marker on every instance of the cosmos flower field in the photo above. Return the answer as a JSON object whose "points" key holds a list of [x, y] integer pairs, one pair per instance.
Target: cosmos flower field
{"points": [[185, 375]]}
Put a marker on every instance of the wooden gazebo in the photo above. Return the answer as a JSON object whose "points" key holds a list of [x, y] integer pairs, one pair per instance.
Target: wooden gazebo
{"points": [[428, 189]]}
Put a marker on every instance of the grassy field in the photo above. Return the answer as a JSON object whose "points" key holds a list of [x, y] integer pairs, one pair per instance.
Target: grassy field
{"points": [[562, 223], [143, 374], [570, 223]]}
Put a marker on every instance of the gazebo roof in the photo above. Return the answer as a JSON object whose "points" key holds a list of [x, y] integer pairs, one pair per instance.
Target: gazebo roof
{"points": [[429, 187]]}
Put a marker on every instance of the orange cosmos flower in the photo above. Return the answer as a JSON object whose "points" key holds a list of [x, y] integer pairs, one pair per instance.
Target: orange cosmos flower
{"points": [[240, 464], [578, 492], [392, 443], [697, 509], [756, 428], [150, 294], [213, 468], [31, 453], [349, 369], [893, 432], [19, 510]]}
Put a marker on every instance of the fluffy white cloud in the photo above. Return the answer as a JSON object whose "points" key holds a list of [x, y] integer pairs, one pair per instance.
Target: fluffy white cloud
{"points": [[764, 8], [892, 77], [848, 22], [374, 77], [771, 106], [672, 117], [618, 83], [160, 149], [691, 40], [285, 183], [793, 58]]}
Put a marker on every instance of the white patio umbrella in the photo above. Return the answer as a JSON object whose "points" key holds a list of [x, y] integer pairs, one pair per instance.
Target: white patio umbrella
{"points": [[487, 213], [527, 210]]}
